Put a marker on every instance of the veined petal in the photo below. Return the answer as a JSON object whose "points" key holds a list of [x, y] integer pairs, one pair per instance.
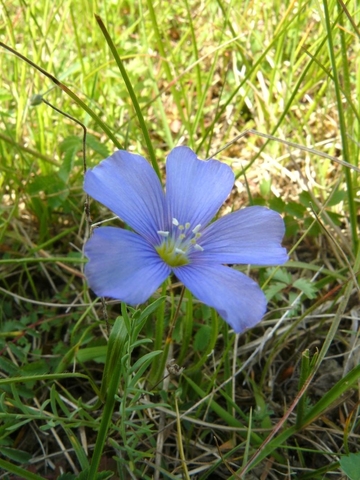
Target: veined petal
{"points": [[195, 189], [129, 186], [251, 235], [238, 299], [123, 265]]}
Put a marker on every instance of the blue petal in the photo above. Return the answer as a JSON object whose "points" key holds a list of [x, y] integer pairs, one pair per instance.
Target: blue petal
{"points": [[252, 235], [195, 189], [129, 186], [123, 265], [237, 298]]}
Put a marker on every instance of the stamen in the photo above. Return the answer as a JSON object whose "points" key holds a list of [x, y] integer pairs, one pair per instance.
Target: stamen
{"points": [[178, 243]]}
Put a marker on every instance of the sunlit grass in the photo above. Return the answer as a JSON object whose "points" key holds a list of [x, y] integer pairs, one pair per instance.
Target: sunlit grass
{"points": [[281, 398]]}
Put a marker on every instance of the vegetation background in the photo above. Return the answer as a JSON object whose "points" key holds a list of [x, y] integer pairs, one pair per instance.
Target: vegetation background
{"points": [[279, 401]]}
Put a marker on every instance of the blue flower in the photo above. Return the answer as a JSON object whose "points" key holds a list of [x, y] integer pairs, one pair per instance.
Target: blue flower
{"points": [[172, 233]]}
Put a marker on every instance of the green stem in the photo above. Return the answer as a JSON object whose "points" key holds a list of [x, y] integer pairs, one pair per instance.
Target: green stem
{"points": [[343, 129], [41, 260], [132, 95], [109, 388], [304, 374], [187, 328], [159, 337], [159, 372], [211, 345]]}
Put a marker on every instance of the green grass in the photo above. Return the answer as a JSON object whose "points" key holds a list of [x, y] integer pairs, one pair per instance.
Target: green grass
{"points": [[84, 394]]}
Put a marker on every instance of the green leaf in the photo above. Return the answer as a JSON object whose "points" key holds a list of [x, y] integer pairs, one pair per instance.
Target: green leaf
{"points": [[336, 198], [202, 338], [274, 289], [16, 455], [95, 145], [142, 363], [39, 367], [336, 218], [96, 354], [8, 367], [281, 275], [20, 472], [305, 199], [70, 146], [295, 209], [53, 186], [350, 465], [277, 204], [67, 164], [115, 352], [306, 287], [314, 229], [70, 143]]}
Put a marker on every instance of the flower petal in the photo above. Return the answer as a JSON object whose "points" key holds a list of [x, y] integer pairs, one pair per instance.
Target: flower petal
{"points": [[129, 186], [195, 189], [252, 235], [123, 265], [238, 299]]}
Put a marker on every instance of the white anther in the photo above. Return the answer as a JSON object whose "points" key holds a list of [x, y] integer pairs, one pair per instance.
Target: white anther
{"points": [[175, 222], [196, 229], [162, 233], [178, 250], [199, 248]]}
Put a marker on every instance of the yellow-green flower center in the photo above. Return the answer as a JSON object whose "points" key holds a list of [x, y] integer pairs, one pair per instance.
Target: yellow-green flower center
{"points": [[177, 244], [170, 255]]}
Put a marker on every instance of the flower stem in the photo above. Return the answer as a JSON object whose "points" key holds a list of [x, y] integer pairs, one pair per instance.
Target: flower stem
{"points": [[159, 367], [159, 336]]}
